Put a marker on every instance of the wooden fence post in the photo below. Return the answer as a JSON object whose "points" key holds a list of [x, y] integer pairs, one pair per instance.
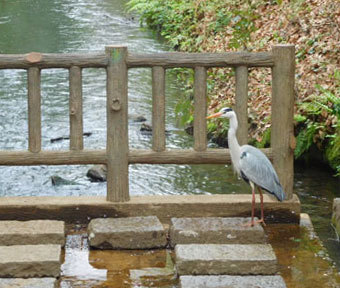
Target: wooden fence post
{"points": [[34, 110], [241, 103], [158, 108], [200, 109], [76, 109], [282, 131], [117, 145]]}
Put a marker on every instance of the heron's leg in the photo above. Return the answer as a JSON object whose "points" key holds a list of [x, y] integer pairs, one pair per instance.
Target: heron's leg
{"points": [[262, 212], [252, 223], [252, 203]]}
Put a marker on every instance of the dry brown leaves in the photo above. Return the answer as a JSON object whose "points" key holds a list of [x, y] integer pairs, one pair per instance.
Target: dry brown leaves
{"points": [[313, 26]]}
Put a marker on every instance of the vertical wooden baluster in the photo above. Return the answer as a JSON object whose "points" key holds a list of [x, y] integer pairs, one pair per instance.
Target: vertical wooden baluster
{"points": [[34, 110], [117, 146], [241, 104], [200, 109], [282, 131], [76, 109], [158, 108]]}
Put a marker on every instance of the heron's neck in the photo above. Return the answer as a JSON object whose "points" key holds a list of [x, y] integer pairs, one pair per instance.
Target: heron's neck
{"points": [[234, 147]]}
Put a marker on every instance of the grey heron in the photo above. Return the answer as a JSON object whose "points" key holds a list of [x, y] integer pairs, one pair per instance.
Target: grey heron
{"points": [[251, 164]]}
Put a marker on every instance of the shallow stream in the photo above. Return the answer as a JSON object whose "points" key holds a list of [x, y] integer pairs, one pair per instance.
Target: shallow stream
{"points": [[87, 26]]}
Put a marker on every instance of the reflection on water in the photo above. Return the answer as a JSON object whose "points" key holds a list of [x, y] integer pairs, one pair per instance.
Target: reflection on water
{"points": [[115, 268], [302, 263]]}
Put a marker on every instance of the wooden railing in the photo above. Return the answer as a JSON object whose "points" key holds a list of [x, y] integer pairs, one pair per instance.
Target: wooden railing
{"points": [[117, 155]]}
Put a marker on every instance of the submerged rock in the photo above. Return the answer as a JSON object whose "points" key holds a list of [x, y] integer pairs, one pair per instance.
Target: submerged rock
{"points": [[87, 134], [137, 118], [146, 128], [97, 173], [58, 181]]}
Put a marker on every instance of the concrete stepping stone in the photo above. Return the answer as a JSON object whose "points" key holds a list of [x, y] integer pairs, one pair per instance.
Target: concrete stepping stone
{"points": [[32, 232], [224, 281], [225, 259], [127, 233], [29, 261], [215, 230], [28, 283]]}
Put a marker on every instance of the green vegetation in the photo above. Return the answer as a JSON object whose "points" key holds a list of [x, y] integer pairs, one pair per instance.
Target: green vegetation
{"points": [[216, 26], [319, 123]]}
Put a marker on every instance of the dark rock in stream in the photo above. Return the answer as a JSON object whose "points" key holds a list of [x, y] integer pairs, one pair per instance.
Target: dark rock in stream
{"points": [[97, 173], [87, 134], [146, 129], [58, 181], [137, 118]]}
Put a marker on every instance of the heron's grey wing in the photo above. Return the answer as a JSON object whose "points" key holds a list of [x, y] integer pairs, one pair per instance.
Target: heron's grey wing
{"points": [[256, 167]]}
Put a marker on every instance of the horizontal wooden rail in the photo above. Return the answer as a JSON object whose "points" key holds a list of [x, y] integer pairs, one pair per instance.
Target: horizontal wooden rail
{"points": [[42, 60], [25, 158], [191, 60], [134, 60], [136, 156]]}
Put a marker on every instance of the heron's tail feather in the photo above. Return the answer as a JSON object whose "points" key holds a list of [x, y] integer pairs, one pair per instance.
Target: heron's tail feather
{"points": [[279, 193]]}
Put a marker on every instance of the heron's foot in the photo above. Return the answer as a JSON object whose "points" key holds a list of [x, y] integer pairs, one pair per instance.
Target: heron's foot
{"points": [[261, 221], [249, 224], [253, 223]]}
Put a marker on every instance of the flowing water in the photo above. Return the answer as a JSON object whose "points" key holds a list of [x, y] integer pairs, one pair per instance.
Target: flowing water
{"points": [[84, 26]]}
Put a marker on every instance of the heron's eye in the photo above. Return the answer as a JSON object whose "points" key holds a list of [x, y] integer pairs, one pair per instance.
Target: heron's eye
{"points": [[226, 110]]}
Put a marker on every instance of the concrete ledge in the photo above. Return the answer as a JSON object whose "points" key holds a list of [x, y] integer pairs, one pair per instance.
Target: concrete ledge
{"points": [[28, 283], [226, 281], [214, 230], [72, 209], [29, 261], [225, 259], [127, 233], [32, 232]]}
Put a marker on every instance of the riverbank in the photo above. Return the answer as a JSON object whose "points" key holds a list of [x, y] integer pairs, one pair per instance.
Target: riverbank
{"points": [[216, 26]]}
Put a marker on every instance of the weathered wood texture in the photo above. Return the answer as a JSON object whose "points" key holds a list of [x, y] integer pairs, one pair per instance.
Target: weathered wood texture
{"points": [[34, 110], [25, 158], [282, 131], [158, 108], [117, 125], [200, 109], [76, 109], [117, 156], [42, 60], [191, 60], [166, 60], [241, 103], [135, 156], [83, 208]]}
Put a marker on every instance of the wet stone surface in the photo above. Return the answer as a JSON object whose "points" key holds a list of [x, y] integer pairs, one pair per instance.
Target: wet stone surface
{"points": [[28, 283], [232, 281], [29, 261], [215, 230], [32, 232], [225, 259], [127, 233]]}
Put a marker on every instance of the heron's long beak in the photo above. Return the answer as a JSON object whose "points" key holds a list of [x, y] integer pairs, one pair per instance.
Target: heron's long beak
{"points": [[218, 114]]}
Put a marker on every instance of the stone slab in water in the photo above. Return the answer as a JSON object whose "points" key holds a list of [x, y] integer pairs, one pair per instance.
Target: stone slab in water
{"points": [[127, 233], [225, 259], [224, 281], [215, 230], [32, 232], [28, 283], [29, 261]]}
